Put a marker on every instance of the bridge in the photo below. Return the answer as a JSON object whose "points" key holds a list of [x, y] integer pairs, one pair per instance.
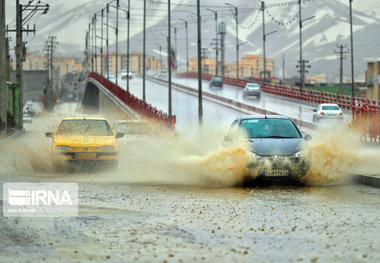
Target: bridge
{"points": [[276, 99]]}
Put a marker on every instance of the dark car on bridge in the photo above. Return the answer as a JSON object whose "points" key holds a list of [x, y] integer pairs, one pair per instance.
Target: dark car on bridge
{"points": [[277, 147], [216, 82]]}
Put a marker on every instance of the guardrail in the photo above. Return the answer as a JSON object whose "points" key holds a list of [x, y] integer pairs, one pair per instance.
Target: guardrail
{"points": [[136, 104], [366, 113], [343, 101]]}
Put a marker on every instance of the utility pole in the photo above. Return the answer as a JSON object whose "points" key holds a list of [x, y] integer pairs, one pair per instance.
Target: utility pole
{"points": [[303, 65], [341, 56], [19, 60], [216, 40], [237, 38], [352, 63], [3, 73], [49, 48], [169, 63], [199, 44], [20, 47], [144, 54], [128, 32], [204, 56], [187, 44], [222, 32]]}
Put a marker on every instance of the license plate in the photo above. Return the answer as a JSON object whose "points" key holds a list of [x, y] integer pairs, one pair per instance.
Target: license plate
{"points": [[86, 156], [276, 173]]}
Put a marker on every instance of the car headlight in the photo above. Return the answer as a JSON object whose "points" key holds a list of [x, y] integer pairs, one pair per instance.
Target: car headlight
{"points": [[305, 153], [253, 155], [64, 148], [107, 148]]}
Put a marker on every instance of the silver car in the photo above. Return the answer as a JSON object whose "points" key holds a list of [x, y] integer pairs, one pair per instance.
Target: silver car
{"points": [[276, 146], [252, 89]]}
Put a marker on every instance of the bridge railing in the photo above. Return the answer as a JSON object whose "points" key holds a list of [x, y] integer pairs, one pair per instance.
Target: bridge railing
{"points": [[136, 104], [343, 101], [366, 112]]}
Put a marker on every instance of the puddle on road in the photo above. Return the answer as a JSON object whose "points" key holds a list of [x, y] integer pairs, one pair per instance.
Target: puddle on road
{"points": [[196, 158]]}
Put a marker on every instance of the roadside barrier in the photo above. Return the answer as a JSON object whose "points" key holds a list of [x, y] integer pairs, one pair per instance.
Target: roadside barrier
{"points": [[136, 104], [366, 113]]}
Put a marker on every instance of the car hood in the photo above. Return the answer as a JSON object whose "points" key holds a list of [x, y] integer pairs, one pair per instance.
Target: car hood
{"points": [[79, 140], [276, 146]]}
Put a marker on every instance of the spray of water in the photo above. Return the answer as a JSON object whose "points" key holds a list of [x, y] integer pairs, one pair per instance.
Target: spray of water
{"points": [[338, 153]]}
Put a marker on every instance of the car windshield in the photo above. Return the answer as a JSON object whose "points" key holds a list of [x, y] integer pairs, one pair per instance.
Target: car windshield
{"points": [[253, 86], [330, 107], [270, 128], [84, 127], [217, 79]]}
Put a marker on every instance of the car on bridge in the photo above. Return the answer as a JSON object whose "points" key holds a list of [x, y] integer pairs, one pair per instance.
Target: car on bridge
{"points": [[216, 82], [252, 89], [277, 148], [126, 74], [327, 111], [150, 73], [163, 74], [84, 141]]}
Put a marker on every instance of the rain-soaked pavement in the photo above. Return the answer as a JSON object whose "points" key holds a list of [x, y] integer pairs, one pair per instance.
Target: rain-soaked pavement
{"points": [[163, 208]]}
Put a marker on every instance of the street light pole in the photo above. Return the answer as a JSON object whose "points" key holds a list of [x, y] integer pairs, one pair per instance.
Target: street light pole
{"points": [[108, 51], [352, 63], [264, 39], [237, 38], [101, 41], [117, 40], [144, 58], [169, 64], [3, 82], [216, 41], [200, 106], [300, 33], [96, 48], [129, 18]]}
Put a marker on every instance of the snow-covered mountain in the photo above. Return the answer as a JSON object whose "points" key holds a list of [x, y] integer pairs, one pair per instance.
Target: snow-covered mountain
{"points": [[69, 19]]}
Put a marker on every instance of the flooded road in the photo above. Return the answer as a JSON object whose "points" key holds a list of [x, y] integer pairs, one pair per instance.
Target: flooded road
{"points": [[160, 207]]}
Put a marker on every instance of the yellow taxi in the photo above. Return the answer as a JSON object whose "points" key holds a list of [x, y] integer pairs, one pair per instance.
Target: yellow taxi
{"points": [[85, 140]]}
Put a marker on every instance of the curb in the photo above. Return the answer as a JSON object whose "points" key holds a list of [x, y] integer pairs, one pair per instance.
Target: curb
{"points": [[370, 180], [12, 135]]}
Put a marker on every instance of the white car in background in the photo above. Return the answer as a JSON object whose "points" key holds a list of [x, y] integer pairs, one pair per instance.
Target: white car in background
{"points": [[163, 74], [252, 89], [126, 73], [150, 73], [327, 111]]}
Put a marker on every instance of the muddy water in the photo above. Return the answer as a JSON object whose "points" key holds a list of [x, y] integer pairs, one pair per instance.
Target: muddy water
{"points": [[170, 200]]}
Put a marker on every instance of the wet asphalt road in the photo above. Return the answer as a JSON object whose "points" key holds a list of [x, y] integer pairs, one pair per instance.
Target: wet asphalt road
{"points": [[148, 223], [124, 221]]}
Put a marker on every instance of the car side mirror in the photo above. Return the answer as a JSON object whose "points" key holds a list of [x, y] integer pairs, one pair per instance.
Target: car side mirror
{"points": [[119, 135], [228, 138], [315, 110], [49, 134], [308, 137]]}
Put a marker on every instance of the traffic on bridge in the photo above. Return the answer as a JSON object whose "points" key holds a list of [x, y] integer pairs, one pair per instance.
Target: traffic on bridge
{"points": [[189, 131]]}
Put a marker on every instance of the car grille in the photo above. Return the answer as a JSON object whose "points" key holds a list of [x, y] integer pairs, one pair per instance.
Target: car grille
{"points": [[85, 149]]}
